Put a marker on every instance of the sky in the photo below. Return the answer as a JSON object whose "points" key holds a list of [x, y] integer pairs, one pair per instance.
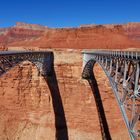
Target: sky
{"points": [[68, 13]]}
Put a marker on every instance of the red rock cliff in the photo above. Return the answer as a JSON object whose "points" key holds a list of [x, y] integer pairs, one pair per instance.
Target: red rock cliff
{"points": [[30, 26], [21, 31], [86, 36]]}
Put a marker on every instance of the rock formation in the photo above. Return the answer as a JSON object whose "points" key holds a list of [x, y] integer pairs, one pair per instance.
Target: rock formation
{"points": [[108, 36], [30, 26]]}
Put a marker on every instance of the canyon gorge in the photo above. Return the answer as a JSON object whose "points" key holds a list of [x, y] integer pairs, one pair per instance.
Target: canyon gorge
{"points": [[29, 109]]}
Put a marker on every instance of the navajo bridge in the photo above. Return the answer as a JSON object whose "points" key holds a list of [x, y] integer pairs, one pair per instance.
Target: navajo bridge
{"points": [[121, 67]]}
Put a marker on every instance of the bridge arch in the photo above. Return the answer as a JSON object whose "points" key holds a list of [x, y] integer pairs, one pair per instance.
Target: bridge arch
{"points": [[44, 61], [124, 77]]}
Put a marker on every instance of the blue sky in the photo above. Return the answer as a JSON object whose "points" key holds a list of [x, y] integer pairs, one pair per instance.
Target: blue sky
{"points": [[63, 13]]}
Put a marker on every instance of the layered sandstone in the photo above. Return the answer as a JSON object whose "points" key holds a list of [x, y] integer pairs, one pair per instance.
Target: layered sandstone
{"points": [[83, 37], [30, 26], [108, 36], [21, 31], [130, 29]]}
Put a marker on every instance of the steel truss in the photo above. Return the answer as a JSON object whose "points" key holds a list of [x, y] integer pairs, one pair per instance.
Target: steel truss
{"points": [[123, 71], [43, 60]]}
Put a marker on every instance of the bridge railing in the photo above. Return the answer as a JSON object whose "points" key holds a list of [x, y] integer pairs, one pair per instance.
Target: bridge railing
{"points": [[43, 60], [124, 54], [5, 53]]}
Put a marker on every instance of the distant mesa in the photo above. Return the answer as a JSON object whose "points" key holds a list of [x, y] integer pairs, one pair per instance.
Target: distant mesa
{"points": [[24, 25], [107, 36]]}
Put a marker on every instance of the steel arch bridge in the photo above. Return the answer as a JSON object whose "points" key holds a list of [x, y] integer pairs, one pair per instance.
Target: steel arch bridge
{"points": [[123, 71], [43, 60]]}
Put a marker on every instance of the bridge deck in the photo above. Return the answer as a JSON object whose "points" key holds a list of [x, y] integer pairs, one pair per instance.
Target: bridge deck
{"points": [[125, 54]]}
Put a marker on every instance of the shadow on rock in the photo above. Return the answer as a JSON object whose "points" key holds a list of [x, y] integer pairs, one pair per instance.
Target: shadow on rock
{"points": [[60, 120], [101, 114]]}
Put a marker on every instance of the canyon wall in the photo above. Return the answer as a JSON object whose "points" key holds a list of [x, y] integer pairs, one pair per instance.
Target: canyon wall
{"points": [[95, 37], [108, 36], [28, 109]]}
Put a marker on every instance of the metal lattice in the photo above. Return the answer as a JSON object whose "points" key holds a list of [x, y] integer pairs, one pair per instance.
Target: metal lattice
{"points": [[123, 71], [42, 59]]}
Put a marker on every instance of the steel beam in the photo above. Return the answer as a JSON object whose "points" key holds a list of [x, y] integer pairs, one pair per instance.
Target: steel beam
{"points": [[43, 60], [124, 76]]}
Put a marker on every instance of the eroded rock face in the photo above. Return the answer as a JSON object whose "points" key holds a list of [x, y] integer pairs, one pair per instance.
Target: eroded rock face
{"points": [[30, 26], [110, 36], [19, 34], [83, 37], [21, 31], [26, 104], [131, 29]]}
